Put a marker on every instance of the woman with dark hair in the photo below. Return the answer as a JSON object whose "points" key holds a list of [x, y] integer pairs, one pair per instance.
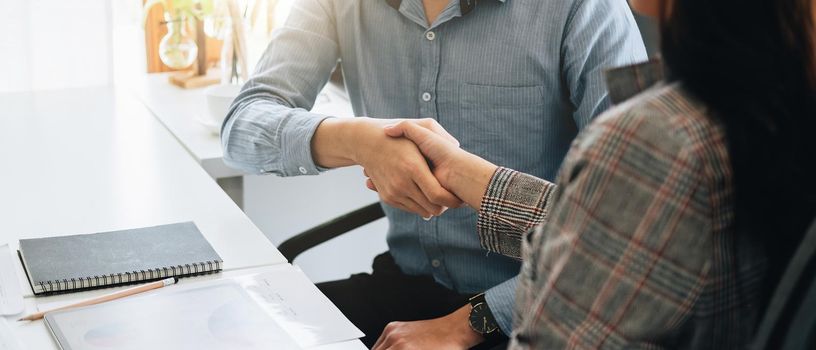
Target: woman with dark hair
{"points": [[674, 213]]}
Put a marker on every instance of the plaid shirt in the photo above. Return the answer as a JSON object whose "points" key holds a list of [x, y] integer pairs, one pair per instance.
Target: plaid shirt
{"points": [[634, 247]]}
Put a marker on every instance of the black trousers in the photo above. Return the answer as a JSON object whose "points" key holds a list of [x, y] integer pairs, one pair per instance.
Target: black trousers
{"points": [[373, 300]]}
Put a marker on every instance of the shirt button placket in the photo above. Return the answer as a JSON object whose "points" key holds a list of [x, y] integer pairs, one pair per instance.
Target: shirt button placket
{"points": [[430, 69], [427, 108]]}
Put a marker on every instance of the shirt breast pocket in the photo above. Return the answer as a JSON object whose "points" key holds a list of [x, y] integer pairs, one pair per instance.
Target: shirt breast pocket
{"points": [[503, 124]]}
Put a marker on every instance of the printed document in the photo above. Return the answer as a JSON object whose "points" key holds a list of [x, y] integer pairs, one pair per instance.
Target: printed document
{"points": [[278, 308]]}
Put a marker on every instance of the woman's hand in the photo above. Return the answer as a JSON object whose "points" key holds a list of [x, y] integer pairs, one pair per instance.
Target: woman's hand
{"points": [[437, 201], [436, 144], [462, 173], [396, 165]]}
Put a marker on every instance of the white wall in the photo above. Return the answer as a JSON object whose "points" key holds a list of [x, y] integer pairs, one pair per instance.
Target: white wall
{"points": [[283, 207], [53, 44]]}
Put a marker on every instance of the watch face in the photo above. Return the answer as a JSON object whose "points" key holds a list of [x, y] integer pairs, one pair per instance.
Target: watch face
{"points": [[481, 320]]}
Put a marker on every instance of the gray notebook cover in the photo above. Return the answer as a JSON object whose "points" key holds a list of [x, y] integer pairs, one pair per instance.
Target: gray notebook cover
{"points": [[115, 252]]}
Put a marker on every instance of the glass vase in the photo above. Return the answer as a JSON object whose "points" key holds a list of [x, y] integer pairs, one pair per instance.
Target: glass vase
{"points": [[177, 49]]}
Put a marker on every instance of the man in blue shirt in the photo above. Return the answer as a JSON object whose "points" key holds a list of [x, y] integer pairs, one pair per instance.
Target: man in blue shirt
{"points": [[496, 74]]}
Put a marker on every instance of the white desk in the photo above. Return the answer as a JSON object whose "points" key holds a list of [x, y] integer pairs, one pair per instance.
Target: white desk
{"points": [[89, 160], [179, 110]]}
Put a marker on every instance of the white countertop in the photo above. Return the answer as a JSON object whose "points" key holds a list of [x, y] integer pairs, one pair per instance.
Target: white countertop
{"points": [[91, 160]]}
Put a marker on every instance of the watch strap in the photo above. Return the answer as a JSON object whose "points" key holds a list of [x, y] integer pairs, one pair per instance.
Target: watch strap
{"points": [[476, 299]]}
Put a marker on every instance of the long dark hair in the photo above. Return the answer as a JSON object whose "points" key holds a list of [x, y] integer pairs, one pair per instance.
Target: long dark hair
{"points": [[752, 63]]}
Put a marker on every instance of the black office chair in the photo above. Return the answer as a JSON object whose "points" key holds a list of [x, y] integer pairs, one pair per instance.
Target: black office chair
{"points": [[790, 319], [304, 241]]}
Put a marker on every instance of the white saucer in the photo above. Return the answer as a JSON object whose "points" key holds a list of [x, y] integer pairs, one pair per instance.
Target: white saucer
{"points": [[209, 124]]}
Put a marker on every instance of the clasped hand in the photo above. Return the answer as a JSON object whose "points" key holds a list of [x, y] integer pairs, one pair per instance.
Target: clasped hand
{"points": [[428, 194]]}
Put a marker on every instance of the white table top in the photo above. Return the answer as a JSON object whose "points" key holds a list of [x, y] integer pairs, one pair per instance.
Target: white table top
{"points": [[180, 109], [35, 335], [90, 160]]}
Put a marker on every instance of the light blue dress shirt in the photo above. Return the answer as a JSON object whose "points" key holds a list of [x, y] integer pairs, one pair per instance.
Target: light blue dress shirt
{"points": [[513, 80]]}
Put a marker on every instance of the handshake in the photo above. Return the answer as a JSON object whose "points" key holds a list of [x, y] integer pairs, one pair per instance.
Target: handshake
{"points": [[417, 166]]}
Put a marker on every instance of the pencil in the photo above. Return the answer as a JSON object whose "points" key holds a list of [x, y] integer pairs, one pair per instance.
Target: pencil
{"points": [[105, 298]]}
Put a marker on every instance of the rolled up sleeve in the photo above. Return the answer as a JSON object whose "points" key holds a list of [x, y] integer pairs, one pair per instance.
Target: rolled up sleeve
{"points": [[269, 128], [600, 34], [258, 143]]}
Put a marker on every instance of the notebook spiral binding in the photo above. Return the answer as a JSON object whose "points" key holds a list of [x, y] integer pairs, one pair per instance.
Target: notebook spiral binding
{"points": [[129, 277]]}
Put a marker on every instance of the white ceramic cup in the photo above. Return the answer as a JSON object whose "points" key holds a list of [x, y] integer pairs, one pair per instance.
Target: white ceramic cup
{"points": [[219, 98]]}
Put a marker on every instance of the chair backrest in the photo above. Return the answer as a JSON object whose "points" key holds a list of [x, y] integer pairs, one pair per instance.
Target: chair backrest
{"points": [[303, 241], [790, 319]]}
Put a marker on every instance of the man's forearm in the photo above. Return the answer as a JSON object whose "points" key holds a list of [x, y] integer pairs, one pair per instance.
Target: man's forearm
{"points": [[330, 143]]}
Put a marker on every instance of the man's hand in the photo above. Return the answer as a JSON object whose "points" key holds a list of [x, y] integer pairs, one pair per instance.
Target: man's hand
{"points": [[429, 125], [428, 135], [400, 172], [458, 171], [447, 332]]}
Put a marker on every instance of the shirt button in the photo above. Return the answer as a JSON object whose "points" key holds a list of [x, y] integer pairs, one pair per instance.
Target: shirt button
{"points": [[430, 36], [436, 263], [426, 96], [303, 170]]}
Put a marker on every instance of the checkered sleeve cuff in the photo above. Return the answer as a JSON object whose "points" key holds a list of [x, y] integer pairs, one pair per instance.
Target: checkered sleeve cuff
{"points": [[513, 204]]}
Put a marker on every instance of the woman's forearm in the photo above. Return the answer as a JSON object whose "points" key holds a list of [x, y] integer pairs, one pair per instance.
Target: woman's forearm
{"points": [[469, 177]]}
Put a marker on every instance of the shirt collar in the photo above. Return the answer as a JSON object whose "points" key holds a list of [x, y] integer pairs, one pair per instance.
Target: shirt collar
{"points": [[625, 82], [465, 5]]}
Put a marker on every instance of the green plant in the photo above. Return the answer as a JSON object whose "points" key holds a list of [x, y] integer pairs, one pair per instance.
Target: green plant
{"points": [[183, 9]]}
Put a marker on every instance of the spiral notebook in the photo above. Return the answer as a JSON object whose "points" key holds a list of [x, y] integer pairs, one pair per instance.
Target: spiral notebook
{"points": [[107, 259]]}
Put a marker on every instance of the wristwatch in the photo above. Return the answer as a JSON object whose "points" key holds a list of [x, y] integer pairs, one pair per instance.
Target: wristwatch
{"points": [[481, 318]]}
